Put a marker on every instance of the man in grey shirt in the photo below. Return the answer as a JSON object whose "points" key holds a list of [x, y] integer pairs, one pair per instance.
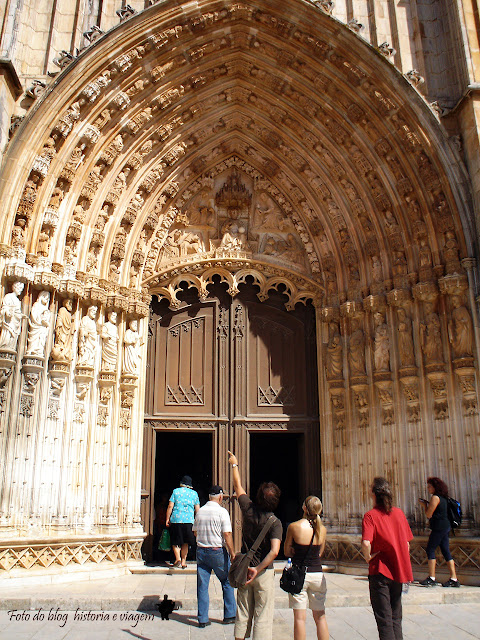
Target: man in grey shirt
{"points": [[213, 529]]}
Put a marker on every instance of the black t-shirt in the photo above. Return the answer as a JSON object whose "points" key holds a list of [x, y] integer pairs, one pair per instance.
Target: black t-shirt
{"points": [[253, 522]]}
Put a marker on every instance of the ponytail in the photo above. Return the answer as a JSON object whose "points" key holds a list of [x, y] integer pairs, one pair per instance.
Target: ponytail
{"points": [[383, 494], [313, 507]]}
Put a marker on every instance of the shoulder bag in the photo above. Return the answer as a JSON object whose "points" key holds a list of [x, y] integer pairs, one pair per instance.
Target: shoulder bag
{"points": [[237, 575], [293, 577]]}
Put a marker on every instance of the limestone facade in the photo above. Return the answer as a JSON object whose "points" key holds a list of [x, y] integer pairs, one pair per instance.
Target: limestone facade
{"points": [[276, 142]]}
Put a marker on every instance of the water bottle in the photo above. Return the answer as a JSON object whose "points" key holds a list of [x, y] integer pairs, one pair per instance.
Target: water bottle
{"points": [[288, 564]]}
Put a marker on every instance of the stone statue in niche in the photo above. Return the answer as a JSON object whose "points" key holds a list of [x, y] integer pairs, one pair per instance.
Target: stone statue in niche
{"points": [[405, 339], [56, 198], [334, 357], [38, 324], [381, 353], [87, 338], [377, 272], [131, 349], [43, 246], [109, 337], [357, 349], [11, 318], [424, 253], [18, 233], [431, 337], [460, 329], [64, 329]]}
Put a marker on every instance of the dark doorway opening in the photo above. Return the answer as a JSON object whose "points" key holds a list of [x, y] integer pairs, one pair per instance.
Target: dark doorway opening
{"points": [[179, 454], [278, 457]]}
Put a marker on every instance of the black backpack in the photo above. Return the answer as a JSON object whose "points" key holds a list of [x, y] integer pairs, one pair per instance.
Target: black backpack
{"points": [[454, 513]]}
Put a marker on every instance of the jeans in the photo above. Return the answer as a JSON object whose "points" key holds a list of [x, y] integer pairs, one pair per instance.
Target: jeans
{"points": [[386, 599], [215, 560]]}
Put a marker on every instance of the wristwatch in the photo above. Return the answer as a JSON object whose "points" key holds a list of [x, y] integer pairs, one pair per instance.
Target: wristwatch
{"points": [[234, 465]]}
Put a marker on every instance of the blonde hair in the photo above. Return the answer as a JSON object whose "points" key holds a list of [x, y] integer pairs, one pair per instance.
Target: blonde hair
{"points": [[313, 507]]}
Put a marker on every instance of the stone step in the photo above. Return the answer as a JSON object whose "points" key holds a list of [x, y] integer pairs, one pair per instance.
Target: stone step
{"points": [[97, 601]]}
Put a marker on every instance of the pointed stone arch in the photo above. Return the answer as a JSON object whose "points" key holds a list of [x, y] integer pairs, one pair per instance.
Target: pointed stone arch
{"points": [[173, 101]]}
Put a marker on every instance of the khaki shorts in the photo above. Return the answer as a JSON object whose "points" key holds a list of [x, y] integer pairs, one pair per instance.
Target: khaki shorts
{"points": [[314, 593]]}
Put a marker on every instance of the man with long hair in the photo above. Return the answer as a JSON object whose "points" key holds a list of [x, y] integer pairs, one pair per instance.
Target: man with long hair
{"points": [[386, 539], [256, 600]]}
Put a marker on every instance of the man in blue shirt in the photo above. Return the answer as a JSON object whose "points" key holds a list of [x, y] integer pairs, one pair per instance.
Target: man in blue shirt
{"points": [[181, 510]]}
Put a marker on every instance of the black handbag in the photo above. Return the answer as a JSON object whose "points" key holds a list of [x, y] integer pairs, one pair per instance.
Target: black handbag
{"points": [[237, 574], [293, 577]]}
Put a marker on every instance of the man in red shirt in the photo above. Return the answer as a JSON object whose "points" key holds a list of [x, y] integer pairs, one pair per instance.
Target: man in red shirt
{"points": [[386, 539]]}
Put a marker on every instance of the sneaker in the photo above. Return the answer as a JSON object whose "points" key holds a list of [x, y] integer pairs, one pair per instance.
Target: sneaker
{"points": [[428, 582], [229, 621], [451, 583]]}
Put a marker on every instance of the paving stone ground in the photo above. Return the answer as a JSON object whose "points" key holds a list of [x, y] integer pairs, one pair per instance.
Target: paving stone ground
{"points": [[124, 607]]}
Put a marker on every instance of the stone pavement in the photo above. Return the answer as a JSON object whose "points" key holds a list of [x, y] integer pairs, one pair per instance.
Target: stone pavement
{"points": [[117, 603]]}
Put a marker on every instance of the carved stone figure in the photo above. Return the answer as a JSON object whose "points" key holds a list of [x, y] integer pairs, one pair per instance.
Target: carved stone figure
{"points": [[334, 359], [87, 338], [64, 329], [233, 236], [357, 349], [131, 351], [292, 251], [460, 329], [38, 324], [29, 195], [405, 339], [11, 318], [431, 337], [268, 215], [377, 271], [109, 336], [381, 352]]}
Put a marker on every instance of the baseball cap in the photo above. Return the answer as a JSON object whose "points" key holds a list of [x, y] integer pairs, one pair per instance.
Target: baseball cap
{"points": [[216, 490]]}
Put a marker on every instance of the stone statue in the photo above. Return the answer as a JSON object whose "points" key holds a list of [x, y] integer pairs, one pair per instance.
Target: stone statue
{"points": [[131, 351], [64, 329], [11, 318], [38, 324], [109, 336], [431, 337], [460, 329], [87, 338], [334, 358], [381, 352], [357, 349], [405, 340]]}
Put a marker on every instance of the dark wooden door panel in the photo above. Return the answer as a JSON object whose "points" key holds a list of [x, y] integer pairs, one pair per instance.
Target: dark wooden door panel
{"points": [[185, 364]]}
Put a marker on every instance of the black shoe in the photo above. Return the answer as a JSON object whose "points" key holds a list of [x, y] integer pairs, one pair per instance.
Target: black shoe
{"points": [[428, 582], [451, 583], [202, 625], [229, 621]]}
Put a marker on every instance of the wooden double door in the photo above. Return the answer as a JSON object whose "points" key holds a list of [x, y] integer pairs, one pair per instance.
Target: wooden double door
{"points": [[231, 374]]}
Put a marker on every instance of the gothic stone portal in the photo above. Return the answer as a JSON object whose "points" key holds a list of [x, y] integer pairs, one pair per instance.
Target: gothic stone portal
{"points": [[235, 369]]}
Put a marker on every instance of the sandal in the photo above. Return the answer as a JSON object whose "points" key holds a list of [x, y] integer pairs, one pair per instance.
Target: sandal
{"points": [[176, 564], [184, 566]]}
